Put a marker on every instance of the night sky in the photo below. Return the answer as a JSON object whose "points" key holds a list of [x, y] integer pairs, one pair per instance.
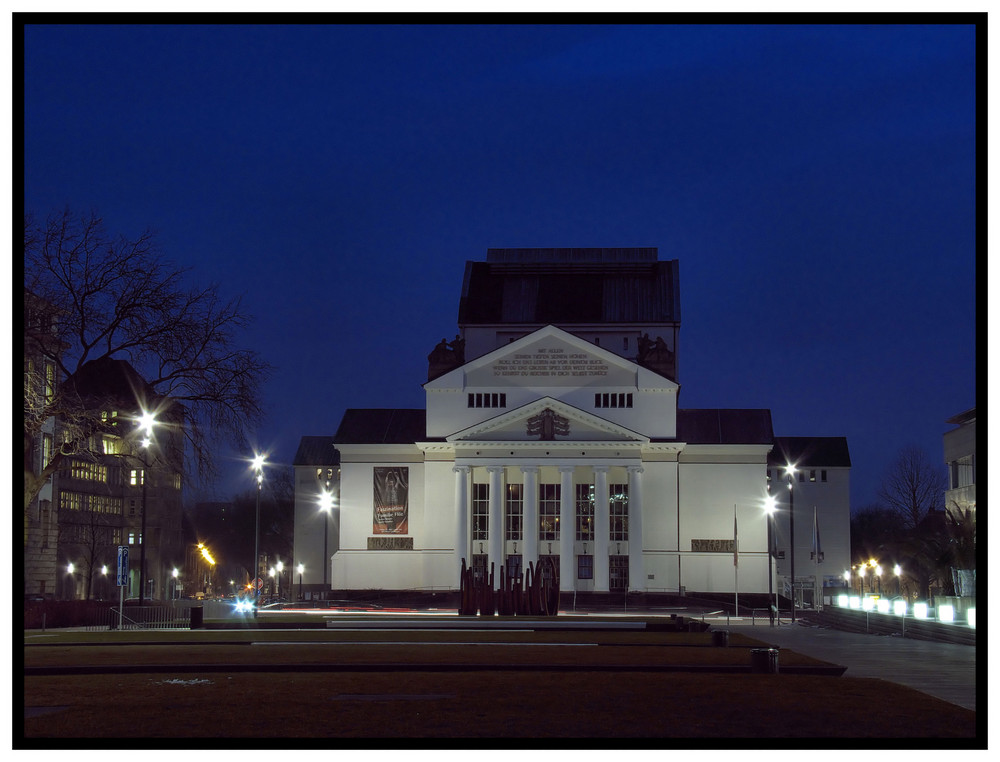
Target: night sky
{"points": [[816, 183]]}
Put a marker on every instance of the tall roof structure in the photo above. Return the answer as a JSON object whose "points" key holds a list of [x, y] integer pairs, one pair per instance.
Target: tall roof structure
{"points": [[565, 286]]}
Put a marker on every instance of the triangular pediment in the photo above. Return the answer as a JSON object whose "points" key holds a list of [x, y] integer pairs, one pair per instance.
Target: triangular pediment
{"points": [[547, 419], [549, 357]]}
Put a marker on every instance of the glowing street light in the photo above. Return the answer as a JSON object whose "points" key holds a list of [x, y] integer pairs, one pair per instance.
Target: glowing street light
{"points": [[790, 474], [770, 505], [258, 467], [325, 505], [301, 569], [146, 422]]}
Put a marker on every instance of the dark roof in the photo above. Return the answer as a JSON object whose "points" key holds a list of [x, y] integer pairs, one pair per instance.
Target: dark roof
{"points": [[570, 286], [316, 451], [968, 416], [382, 426], [719, 426], [805, 452], [107, 377]]}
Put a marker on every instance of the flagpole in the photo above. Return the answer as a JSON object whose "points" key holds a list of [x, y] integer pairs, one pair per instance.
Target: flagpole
{"points": [[736, 561]]}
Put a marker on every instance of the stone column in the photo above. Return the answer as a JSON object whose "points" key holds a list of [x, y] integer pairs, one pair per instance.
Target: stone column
{"points": [[530, 522], [461, 521], [636, 569], [602, 529], [567, 530], [496, 528]]}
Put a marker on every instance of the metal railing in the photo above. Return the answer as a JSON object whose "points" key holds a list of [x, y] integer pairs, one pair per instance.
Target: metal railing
{"points": [[142, 618]]}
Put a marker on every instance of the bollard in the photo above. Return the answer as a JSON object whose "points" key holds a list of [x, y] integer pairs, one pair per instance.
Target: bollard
{"points": [[764, 661], [197, 617], [720, 638]]}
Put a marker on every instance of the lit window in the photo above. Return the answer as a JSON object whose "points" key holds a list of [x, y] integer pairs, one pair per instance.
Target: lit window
{"points": [[548, 512], [618, 573], [619, 512], [480, 511], [515, 511], [585, 512]]}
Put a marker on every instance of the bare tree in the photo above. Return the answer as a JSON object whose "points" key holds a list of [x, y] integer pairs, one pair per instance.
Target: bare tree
{"points": [[912, 487], [91, 296]]}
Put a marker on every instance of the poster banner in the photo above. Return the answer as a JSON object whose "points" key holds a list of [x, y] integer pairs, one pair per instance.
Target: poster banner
{"points": [[391, 500]]}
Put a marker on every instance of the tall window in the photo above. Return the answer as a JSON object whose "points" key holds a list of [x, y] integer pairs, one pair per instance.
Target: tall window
{"points": [[50, 381], [584, 567], [480, 511], [515, 511], [46, 450], [618, 511], [548, 511], [585, 513], [514, 566]]}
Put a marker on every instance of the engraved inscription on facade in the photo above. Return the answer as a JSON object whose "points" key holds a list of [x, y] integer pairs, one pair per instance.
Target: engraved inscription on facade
{"points": [[712, 546], [390, 543], [550, 362]]}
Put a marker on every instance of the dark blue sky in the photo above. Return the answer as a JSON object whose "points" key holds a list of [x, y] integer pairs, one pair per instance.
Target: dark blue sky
{"points": [[816, 183]]}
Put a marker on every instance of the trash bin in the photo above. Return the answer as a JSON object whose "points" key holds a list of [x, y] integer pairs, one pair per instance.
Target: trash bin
{"points": [[197, 617], [764, 661], [720, 637]]}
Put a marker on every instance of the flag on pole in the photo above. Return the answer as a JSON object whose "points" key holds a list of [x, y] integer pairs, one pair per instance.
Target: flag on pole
{"points": [[817, 551], [736, 540]]}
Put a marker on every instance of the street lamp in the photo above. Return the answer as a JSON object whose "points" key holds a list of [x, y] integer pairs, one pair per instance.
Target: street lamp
{"points": [[897, 570], [258, 467], [174, 575], [301, 569], [878, 574], [146, 422], [861, 576], [325, 505], [790, 473], [769, 506], [279, 567]]}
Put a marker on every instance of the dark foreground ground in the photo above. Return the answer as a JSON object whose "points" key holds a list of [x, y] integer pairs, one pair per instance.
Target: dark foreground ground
{"points": [[443, 686]]}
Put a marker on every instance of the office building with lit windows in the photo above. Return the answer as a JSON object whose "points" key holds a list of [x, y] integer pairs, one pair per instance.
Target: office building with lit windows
{"points": [[552, 428]]}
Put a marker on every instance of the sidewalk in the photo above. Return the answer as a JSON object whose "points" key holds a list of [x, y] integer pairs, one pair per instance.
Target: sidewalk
{"points": [[944, 670]]}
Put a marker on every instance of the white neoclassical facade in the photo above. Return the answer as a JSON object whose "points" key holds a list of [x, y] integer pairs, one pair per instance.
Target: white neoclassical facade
{"points": [[561, 440]]}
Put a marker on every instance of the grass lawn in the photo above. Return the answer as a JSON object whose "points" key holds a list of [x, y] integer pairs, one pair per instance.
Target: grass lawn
{"points": [[384, 702]]}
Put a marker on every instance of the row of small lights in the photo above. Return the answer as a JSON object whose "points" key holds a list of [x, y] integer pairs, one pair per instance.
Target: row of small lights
{"points": [[945, 612]]}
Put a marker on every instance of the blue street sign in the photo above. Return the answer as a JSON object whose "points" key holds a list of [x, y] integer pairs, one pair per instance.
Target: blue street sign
{"points": [[122, 565]]}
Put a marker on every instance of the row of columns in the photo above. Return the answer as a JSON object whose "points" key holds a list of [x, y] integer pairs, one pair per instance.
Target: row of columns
{"points": [[567, 521]]}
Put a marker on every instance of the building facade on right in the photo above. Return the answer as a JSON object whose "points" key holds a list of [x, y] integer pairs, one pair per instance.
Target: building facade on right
{"points": [[960, 455]]}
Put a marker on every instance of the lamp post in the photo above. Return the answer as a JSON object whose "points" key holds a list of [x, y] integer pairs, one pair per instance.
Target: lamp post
{"points": [[325, 506], [279, 567], [897, 571], [301, 569], [769, 506], [861, 577], [174, 575], [790, 473], [146, 422], [878, 575], [258, 467], [104, 582]]}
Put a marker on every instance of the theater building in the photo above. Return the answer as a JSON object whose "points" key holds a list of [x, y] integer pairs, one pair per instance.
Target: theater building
{"points": [[552, 428]]}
